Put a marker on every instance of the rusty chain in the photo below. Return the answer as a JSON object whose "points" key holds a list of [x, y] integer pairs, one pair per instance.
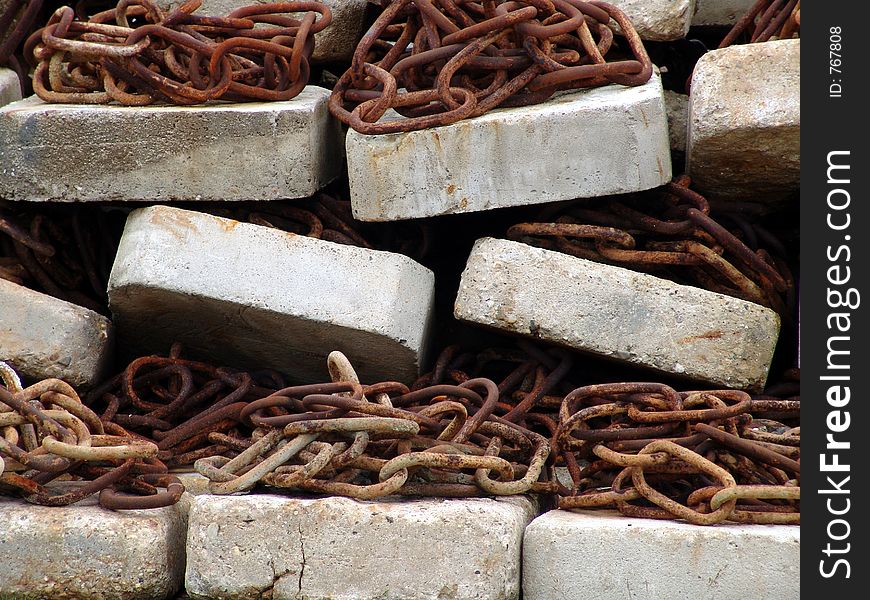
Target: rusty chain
{"points": [[436, 62], [670, 233], [136, 54], [767, 20], [17, 20], [46, 433]]}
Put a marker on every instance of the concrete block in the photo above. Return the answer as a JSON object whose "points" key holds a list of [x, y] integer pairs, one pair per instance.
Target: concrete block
{"points": [[10, 89], [247, 151], [677, 106], [42, 337], [85, 551], [617, 313], [256, 297], [585, 143], [745, 121], [335, 43], [720, 12], [658, 20], [342, 549], [609, 557]]}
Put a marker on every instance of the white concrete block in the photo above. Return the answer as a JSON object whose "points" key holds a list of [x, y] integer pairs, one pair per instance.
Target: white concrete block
{"points": [[335, 43], [585, 143], [658, 20], [745, 121], [342, 549], [677, 106], [10, 90], [247, 151], [720, 12], [617, 313], [256, 297], [610, 557], [85, 551], [43, 337]]}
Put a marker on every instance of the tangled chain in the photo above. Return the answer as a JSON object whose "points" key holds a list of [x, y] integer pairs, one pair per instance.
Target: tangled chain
{"points": [[179, 58], [767, 20], [457, 59], [17, 21], [46, 432], [672, 235]]}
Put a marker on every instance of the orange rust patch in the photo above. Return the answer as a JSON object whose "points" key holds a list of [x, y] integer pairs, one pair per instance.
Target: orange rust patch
{"points": [[715, 334]]}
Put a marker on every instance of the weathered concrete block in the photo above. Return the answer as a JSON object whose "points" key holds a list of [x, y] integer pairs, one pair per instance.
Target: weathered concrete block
{"points": [[617, 313], [720, 12], [677, 106], [335, 43], [745, 121], [85, 551], [257, 297], [10, 90], [42, 337], [248, 151], [610, 557], [658, 20], [586, 143], [343, 549]]}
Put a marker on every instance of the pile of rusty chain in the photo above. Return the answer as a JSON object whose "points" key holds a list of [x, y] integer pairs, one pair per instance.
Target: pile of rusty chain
{"points": [[455, 59], [17, 21], [767, 20], [705, 457], [47, 434], [179, 58], [65, 252], [671, 235]]}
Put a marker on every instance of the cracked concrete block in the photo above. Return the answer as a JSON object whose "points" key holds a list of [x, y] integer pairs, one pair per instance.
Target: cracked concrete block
{"points": [[10, 90], [720, 12], [335, 43], [658, 20], [617, 313], [610, 557], [221, 151], [677, 106], [256, 297], [342, 549], [585, 143], [85, 551], [745, 122], [42, 337]]}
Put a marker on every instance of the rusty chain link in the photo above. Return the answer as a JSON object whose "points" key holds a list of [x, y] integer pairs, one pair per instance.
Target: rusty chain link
{"points": [[17, 20], [767, 20], [436, 62], [136, 54]]}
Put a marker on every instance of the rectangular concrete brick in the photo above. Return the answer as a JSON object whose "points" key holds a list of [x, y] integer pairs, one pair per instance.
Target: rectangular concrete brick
{"points": [[720, 12], [609, 557], [677, 106], [85, 551], [617, 313], [10, 90], [42, 337], [585, 143], [658, 20], [335, 43], [745, 121], [342, 549], [256, 297], [247, 151]]}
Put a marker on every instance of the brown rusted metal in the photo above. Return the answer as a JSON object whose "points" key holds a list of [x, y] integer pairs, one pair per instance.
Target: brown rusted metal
{"points": [[767, 20]]}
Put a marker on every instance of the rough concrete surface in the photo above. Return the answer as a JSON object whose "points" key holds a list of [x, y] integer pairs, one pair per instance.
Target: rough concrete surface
{"points": [[585, 143], [10, 90], [617, 313], [720, 12], [745, 122], [220, 151], [257, 297], [84, 551], [610, 557], [42, 337], [658, 20], [677, 106], [342, 549]]}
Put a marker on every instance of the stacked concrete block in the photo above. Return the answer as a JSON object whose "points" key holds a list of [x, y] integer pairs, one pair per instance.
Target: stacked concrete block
{"points": [[343, 549], [677, 106], [42, 337], [608, 557], [585, 143], [720, 12], [744, 122], [10, 90], [617, 313], [85, 551], [257, 297], [658, 20], [248, 151]]}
